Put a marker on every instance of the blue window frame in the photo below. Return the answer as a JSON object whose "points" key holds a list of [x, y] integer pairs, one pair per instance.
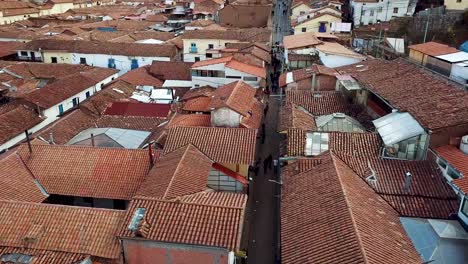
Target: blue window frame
{"points": [[111, 63], [88, 94], [134, 64], [60, 107]]}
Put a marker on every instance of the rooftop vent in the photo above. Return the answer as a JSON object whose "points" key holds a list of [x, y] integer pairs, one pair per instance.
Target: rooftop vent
{"points": [[136, 219]]}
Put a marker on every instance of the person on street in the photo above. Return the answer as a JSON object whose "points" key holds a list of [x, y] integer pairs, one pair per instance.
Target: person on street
{"points": [[265, 165]]}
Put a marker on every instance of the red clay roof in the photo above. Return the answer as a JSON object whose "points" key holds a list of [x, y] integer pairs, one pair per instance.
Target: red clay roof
{"points": [[213, 219], [16, 121], [44, 256], [429, 195], [195, 120], [138, 109], [433, 48], [222, 145], [247, 68], [181, 172], [17, 182], [205, 91], [198, 104], [212, 62], [110, 173], [60, 228], [236, 96], [328, 102], [8, 48], [431, 100], [293, 116], [459, 161], [171, 70], [305, 73], [141, 76], [330, 215]]}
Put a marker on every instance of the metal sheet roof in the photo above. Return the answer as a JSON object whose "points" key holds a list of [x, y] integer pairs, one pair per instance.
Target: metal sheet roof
{"points": [[396, 127], [454, 57], [125, 138]]}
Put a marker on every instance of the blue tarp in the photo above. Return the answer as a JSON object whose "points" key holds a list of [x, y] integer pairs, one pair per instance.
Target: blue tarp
{"points": [[464, 46]]}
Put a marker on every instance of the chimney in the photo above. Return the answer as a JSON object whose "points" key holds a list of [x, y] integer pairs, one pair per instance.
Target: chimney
{"points": [[29, 141], [150, 152], [408, 178], [92, 139], [51, 138]]}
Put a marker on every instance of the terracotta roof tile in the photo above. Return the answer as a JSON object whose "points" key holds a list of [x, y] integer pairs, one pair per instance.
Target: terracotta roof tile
{"points": [[293, 116], [236, 96], [433, 48], [44, 256], [138, 109], [253, 120], [193, 222], [16, 121], [300, 41], [60, 228], [251, 34], [171, 70], [363, 228], [247, 68], [116, 91], [195, 120], [141, 76], [87, 171], [130, 122], [429, 195], [305, 73], [181, 172], [205, 91], [323, 104], [459, 161], [223, 145], [17, 182], [198, 104], [446, 106], [212, 62]]}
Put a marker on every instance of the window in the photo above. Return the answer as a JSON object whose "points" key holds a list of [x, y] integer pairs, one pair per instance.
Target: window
{"points": [[452, 173], [82, 60], [303, 29], [379, 9], [209, 55], [111, 63], [210, 46], [197, 59], [363, 12], [459, 1], [193, 45], [60, 108], [464, 208], [316, 143], [88, 94], [250, 79], [372, 13], [233, 77], [24, 53], [75, 101], [169, 92], [395, 10], [134, 64], [53, 59]]}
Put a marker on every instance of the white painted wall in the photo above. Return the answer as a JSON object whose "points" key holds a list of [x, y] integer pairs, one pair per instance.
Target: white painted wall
{"points": [[122, 63], [333, 61], [202, 45], [225, 117], [199, 81], [459, 73], [51, 114], [362, 12]]}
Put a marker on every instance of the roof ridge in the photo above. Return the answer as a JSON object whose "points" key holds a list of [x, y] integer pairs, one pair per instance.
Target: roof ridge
{"points": [[84, 146], [176, 170], [358, 236], [185, 202]]}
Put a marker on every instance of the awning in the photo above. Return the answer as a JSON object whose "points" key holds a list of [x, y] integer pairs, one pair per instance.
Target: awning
{"points": [[396, 127]]}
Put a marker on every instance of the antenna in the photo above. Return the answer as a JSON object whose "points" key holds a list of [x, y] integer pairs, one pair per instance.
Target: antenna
{"points": [[408, 178]]}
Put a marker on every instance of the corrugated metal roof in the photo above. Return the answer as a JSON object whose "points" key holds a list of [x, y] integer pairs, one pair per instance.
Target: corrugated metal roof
{"points": [[125, 138], [396, 127], [454, 57]]}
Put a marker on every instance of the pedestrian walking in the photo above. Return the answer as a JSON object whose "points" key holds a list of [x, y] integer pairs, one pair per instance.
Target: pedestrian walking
{"points": [[269, 160], [275, 166], [265, 165]]}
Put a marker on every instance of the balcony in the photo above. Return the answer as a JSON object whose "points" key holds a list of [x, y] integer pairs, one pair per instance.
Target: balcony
{"points": [[193, 50]]}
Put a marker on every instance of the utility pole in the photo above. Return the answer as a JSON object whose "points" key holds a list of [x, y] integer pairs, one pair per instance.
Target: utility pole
{"points": [[378, 42], [427, 25]]}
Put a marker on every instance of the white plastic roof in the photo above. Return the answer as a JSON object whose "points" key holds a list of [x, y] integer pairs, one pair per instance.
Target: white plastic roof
{"points": [[127, 138], [398, 44], [454, 57], [396, 127]]}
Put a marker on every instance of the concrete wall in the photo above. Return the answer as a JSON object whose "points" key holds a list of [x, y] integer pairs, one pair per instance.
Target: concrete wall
{"points": [[62, 57], [11, 19], [459, 74], [61, 8], [314, 24], [333, 61], [417, 57], [242, 169], [368, 13], [297, 10], [225, 117], [453, 5], [150, 252], [202, 46], [199, 81]]}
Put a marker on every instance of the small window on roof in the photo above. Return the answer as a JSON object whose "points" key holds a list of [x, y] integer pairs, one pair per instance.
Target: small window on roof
{"points": [[453, 173], [16, 258], [442, 163], [138, 215]]}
